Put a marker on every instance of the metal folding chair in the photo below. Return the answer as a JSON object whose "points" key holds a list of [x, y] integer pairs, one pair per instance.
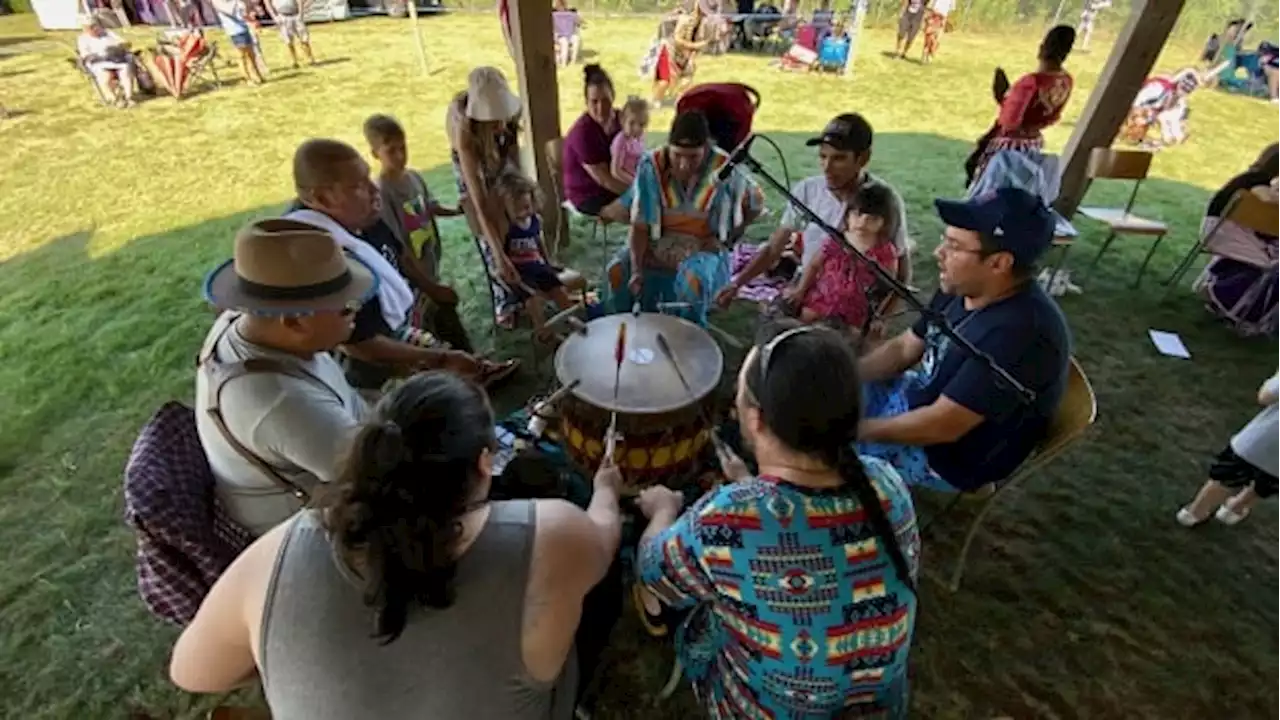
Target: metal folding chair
{"points": [[1105, 163], [1076, 412], [1244, 209]]}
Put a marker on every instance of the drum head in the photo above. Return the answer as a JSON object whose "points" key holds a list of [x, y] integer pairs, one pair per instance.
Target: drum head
{"points": [[648, 383]]}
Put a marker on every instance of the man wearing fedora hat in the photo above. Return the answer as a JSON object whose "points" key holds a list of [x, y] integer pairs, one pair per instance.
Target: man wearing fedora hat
{"points": [[274, 410], [335, 193]]}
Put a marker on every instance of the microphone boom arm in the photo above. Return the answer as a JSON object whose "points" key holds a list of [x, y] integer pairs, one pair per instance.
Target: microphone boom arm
{"points": [[742, 156]]}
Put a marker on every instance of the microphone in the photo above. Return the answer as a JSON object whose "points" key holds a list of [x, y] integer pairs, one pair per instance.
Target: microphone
{"points": [[736, 158]]}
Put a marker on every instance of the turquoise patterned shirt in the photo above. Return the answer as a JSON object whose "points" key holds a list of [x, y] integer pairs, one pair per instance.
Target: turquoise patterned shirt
{"points": [[799, 612], [723, 205]]}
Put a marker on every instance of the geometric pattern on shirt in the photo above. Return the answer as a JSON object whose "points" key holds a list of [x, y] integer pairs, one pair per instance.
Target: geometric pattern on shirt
{"points": [[806, 616]]}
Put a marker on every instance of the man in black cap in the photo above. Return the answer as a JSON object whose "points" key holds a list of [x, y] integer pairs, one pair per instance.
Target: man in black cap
{"points": [[844, 149], [941, 416], [682, 215]]}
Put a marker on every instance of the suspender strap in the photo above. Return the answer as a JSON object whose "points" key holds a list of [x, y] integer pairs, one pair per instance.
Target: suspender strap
{"points": [[220, 373]]}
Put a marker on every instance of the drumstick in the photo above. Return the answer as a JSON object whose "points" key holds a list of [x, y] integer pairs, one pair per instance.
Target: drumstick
{"points": [[665, 347], [671, 358], [563, 315], [611, 437], [555, 397], [619, 352]]}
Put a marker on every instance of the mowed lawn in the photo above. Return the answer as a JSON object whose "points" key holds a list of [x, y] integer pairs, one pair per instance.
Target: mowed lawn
{"points": [[1083, 598]]}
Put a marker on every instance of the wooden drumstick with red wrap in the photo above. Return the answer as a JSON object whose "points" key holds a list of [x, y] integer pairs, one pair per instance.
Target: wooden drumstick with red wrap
{"points": [[619, 353]]}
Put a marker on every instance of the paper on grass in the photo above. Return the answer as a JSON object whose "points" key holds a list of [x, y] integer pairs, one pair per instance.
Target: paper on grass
{"points": [[1169, 344]]}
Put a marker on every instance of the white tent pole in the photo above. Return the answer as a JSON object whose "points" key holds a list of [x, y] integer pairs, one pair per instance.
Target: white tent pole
{"points": [[417, 36]]}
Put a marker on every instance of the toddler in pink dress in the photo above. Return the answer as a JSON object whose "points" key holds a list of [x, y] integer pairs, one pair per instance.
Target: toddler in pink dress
{"points": [[628, 145], [835, 283]]}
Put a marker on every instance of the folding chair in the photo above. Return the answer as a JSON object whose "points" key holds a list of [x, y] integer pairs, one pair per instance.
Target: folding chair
{"points": [[182, 56], [1105, 163], [1246, 210], [1076, 412], [555, 165], [78, 63], [573, 281]]}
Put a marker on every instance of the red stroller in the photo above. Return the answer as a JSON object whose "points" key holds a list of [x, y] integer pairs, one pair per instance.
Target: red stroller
{"points": [[729, 108]]}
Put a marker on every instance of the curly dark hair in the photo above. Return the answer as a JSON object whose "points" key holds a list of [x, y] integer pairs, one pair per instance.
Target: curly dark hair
{"points": [[414, 471]]}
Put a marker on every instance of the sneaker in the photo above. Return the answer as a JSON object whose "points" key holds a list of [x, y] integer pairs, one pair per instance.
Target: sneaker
{"points": [[1227, 516], [1186, 519]]}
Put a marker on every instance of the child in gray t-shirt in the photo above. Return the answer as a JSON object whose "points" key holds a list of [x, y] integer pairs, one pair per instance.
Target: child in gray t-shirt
{"points": [[1245, 471], [409, 209]]}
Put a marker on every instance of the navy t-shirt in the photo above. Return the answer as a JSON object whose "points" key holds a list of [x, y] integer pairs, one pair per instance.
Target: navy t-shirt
{"points": [[1027, 335]]}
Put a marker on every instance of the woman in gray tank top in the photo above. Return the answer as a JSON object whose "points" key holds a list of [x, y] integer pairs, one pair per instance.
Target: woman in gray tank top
{"points": [[408, 594]]}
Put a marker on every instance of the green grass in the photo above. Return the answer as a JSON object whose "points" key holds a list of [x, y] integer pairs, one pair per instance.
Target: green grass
{"points": [[1083, 599]]}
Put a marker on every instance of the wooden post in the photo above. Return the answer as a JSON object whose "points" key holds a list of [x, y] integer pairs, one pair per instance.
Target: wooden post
{"points": [[534, 45], [1131, 60]]}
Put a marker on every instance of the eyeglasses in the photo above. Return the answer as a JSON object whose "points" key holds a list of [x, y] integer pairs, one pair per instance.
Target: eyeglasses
{"points": [[950, 245]]}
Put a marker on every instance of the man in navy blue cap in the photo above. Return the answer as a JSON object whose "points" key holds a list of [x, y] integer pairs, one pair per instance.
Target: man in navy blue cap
{"points": [[938, 414]]}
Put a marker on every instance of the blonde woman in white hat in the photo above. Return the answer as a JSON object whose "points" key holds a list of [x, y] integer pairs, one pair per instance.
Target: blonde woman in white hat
{"points": [[482, 127]]}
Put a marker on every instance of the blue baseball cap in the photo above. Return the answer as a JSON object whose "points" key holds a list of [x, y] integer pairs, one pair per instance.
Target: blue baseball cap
{"points": [[1017, 221]]}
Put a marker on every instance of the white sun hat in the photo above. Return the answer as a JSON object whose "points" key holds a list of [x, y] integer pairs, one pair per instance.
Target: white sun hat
{"points": [[489, 98]]}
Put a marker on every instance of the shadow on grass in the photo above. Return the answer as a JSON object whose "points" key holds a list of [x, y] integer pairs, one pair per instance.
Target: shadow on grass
{"points": [[331, 61], [18, 40], [1082, 600]]}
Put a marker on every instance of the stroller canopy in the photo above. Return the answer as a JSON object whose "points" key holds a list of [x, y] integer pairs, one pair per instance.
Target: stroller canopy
{"points": [[729, 108]]}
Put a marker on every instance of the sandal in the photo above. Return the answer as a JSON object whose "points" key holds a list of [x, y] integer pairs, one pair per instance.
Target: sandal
{"points": [[1227, 516], [1187, 520]]}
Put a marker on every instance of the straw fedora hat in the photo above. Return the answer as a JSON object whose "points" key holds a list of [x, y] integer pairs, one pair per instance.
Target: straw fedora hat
{"points": [[286, 267], [489, 98]]}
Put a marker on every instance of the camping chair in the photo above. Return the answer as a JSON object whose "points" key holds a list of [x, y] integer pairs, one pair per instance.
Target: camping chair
{"points": [[1076, 412], [555, 165], [81, 67], [185, 538], [1246, 210], [182, 57], [1105, 163]]}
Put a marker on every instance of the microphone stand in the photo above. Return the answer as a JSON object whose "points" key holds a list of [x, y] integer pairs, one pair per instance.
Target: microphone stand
{"points": [[931, 316]]}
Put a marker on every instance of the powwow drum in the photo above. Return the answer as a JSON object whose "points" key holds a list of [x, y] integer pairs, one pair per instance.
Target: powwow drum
{"points": [[664, 427]]}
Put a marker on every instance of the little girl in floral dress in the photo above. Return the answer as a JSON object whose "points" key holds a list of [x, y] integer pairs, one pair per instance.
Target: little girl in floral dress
{"points": [[835, 283]]}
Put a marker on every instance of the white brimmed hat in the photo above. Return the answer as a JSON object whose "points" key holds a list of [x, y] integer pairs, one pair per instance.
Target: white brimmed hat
{"points": [[489, 98], [286, 267]]}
